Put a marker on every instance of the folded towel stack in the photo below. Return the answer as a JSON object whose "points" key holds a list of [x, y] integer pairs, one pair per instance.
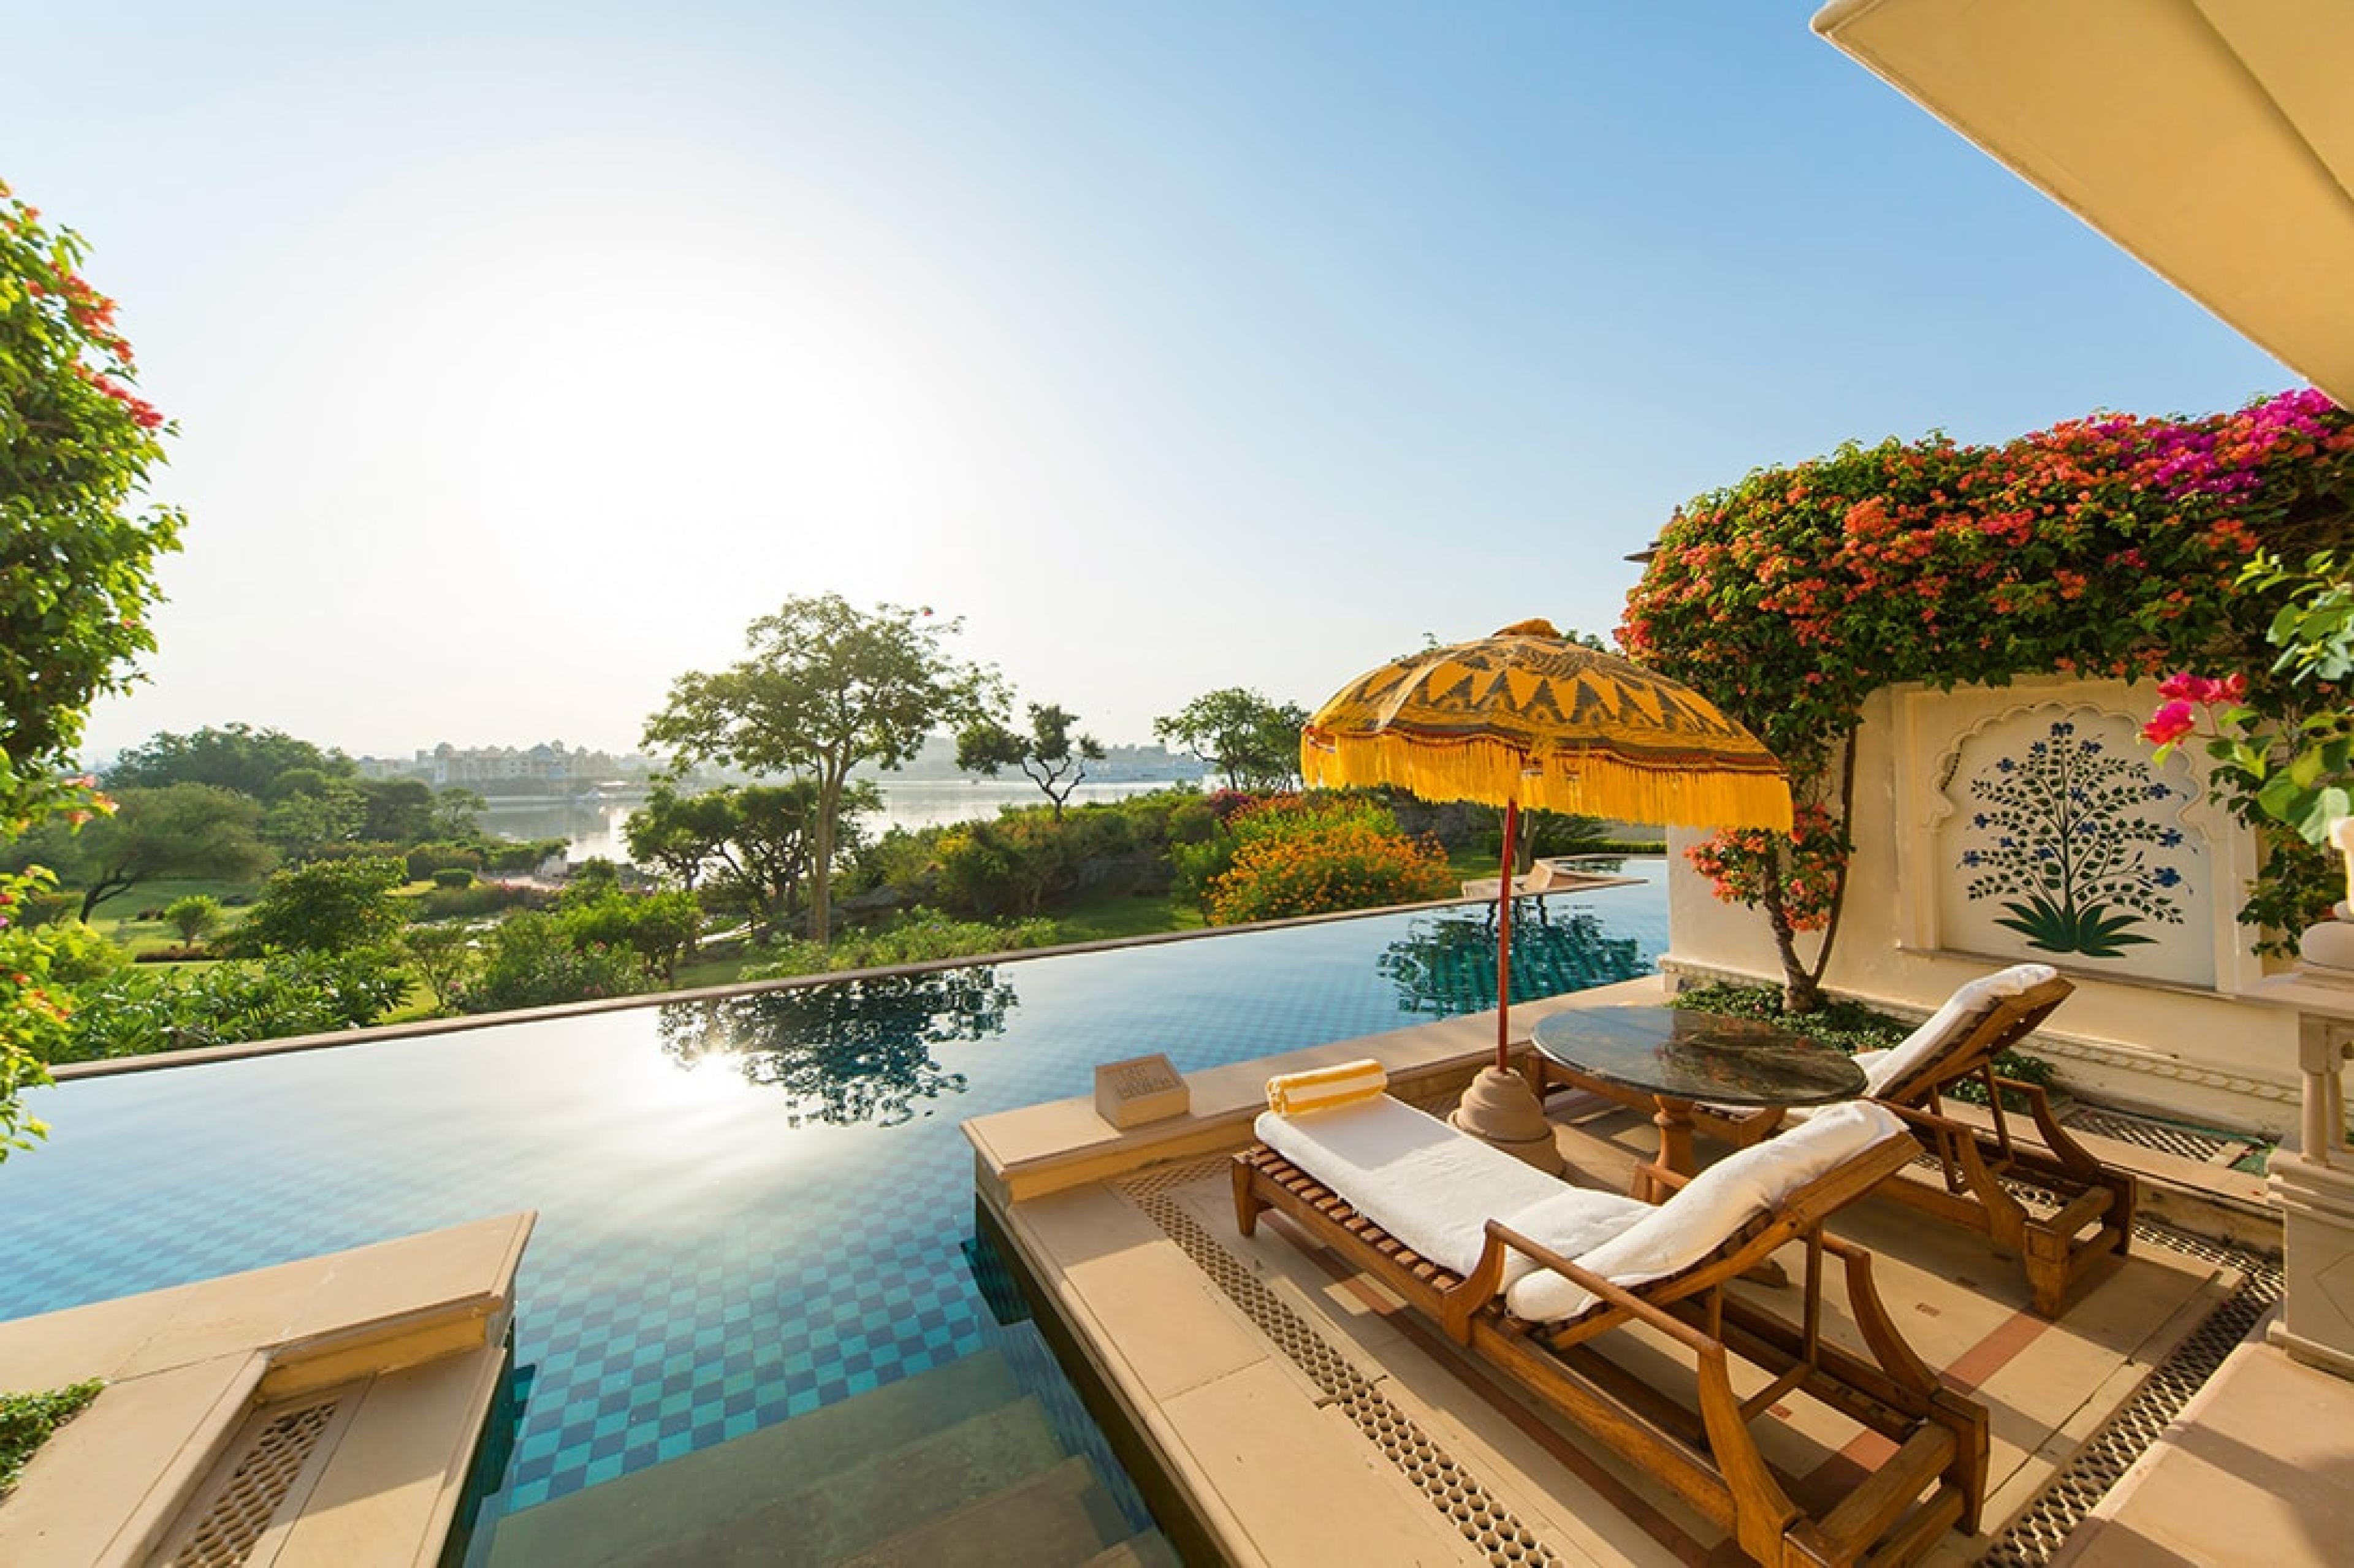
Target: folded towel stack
{"points": [[1325, 1087]]}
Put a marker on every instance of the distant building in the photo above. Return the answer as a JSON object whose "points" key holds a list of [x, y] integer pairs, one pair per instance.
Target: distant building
{"points": [[550, 766]]}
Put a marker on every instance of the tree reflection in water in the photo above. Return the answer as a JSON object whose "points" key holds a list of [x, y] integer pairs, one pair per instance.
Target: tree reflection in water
{"points": [[1445, 964], [850, 1051]]}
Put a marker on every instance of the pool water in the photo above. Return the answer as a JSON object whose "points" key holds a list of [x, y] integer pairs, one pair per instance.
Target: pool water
{"points": [[749, 1208]]}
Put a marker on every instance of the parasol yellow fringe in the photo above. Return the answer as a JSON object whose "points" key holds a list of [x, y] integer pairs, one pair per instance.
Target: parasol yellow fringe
{"points": [[1594, 784]]}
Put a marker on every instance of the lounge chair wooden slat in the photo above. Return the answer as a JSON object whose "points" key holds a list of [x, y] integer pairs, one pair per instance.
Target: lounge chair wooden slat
{"points": [[1704, 1452]]}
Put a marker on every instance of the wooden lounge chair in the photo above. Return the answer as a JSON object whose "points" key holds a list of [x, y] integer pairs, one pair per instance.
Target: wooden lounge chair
{"points": [[2091, 1220], [1479, 1283]]}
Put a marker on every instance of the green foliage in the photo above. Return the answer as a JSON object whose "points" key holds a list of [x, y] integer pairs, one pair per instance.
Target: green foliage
{"points": [[825, 687], [234, 756], [528, 960], [175, 830], [657, 927], [524, 855], [194, 917], [453, 876], [1050, 756], [442, 959], [79, 953], [1252, 742], [759, 843], [27, 1419], [328, 905], [430, 859], [280, 995], [927, 938], [34, 1007], [2284, 749], [76, 446], [481, 899]]}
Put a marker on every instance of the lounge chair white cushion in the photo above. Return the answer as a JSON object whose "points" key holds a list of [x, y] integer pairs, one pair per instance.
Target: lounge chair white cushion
{"points": [[1435, 1189], [1715, 1204], [1882, 1068]]}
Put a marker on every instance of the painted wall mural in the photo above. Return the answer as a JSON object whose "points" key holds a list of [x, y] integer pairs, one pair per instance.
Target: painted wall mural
{"points": [[2057, 840]]}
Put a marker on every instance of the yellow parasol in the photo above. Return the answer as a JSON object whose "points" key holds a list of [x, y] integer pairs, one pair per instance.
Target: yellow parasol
{"points": [[1528, 718]]}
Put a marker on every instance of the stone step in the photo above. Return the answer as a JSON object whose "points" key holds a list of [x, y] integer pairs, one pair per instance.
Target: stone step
{"points": [[1150, 1550], [611, 1524], [1061, 1519], [791, 1524]]}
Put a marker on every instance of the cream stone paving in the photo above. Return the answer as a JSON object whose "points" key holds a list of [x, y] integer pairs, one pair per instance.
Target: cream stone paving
{"points": [[2258, 1467], [1306, 1486], [417, 1324], [2046, 1385]]}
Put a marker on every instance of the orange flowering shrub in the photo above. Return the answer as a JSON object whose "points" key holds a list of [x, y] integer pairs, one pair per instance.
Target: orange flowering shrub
{"points": [[1342, 863]]}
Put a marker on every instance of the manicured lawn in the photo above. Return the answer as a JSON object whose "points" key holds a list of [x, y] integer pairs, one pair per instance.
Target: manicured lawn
{"points": [[118, 918], [1113, 916]]}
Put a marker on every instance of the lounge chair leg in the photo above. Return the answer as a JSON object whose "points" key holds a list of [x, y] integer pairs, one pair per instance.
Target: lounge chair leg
{"points": [[1248, 1203]]}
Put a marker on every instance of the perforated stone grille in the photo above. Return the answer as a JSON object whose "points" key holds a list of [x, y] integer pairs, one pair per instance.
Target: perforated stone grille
{"points": [[2036, 1534], [232, 1527], [1450, 1489], [2189, 1142]]}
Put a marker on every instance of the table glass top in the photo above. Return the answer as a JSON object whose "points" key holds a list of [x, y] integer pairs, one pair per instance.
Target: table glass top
{"points": [[1698, 1055]]}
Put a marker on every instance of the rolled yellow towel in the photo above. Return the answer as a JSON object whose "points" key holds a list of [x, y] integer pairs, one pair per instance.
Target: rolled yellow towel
{"points": [[1325, 1087]]}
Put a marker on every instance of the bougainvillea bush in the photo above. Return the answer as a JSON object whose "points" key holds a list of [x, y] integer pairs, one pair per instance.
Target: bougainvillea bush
{"points": [[2110, 546]]}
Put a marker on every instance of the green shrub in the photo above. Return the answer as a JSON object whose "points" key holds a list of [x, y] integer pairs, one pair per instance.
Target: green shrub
{"points": [[79, 954], [27, 1419], [453, 876], [135, 1013], [529, 961], [326, 905], [484, 898], [914, 940], [194, 917], [525, 855], [657, 927], [429, 860]]}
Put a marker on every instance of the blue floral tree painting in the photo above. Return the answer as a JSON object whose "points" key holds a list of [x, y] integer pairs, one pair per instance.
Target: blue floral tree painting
{"points": [[2071, 840]]}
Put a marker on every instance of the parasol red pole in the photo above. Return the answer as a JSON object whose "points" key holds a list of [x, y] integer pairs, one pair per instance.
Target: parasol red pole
{"points": [[1504, 940]]}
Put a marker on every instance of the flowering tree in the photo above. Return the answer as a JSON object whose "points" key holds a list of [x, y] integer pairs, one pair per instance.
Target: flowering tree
{"points": [[2110, 546], [1796, 878], [77, 558]]}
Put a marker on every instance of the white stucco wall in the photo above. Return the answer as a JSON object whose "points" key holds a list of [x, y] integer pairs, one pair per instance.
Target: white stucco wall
{"points": [[2195, 1048]]}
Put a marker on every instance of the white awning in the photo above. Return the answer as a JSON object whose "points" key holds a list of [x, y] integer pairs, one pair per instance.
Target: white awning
{"points": [[2212, 139]]}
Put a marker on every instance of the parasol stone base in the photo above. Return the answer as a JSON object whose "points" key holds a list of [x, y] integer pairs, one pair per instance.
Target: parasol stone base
{"points": [[1501, 1110]]}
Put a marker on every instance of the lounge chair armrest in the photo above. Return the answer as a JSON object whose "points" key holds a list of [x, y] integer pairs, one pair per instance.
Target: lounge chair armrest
{"points": [[1607, 1293]]}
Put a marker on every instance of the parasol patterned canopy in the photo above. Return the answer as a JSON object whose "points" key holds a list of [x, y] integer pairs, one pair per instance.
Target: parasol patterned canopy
{"points": [[1527, 717]]}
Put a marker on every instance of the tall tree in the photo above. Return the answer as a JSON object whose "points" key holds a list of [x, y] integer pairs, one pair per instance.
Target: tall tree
{"points": [[826, 687], [1050, 754], [181, 829], [757, 838], [326, 906], [1252, 742], [255, 762]]}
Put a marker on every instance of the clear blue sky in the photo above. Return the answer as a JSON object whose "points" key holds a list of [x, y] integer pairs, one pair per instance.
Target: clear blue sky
{"points": [[522, 354]]}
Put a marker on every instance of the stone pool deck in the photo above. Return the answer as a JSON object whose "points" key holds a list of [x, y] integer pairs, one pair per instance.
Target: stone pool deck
{"points": [[1303, 1417]]}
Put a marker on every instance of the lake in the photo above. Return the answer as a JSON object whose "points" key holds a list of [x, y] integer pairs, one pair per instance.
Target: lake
{"points": [[594, 827]]}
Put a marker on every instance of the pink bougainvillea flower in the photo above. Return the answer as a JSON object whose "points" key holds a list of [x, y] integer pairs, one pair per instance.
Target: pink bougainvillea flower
{"points": [[2169, 724]]}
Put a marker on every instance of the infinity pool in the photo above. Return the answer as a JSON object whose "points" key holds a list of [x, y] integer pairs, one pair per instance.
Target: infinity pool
{"points": [[750, 1208]]}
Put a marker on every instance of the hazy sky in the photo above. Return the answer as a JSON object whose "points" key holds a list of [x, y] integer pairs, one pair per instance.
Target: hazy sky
{"points": [[522, 354]]}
